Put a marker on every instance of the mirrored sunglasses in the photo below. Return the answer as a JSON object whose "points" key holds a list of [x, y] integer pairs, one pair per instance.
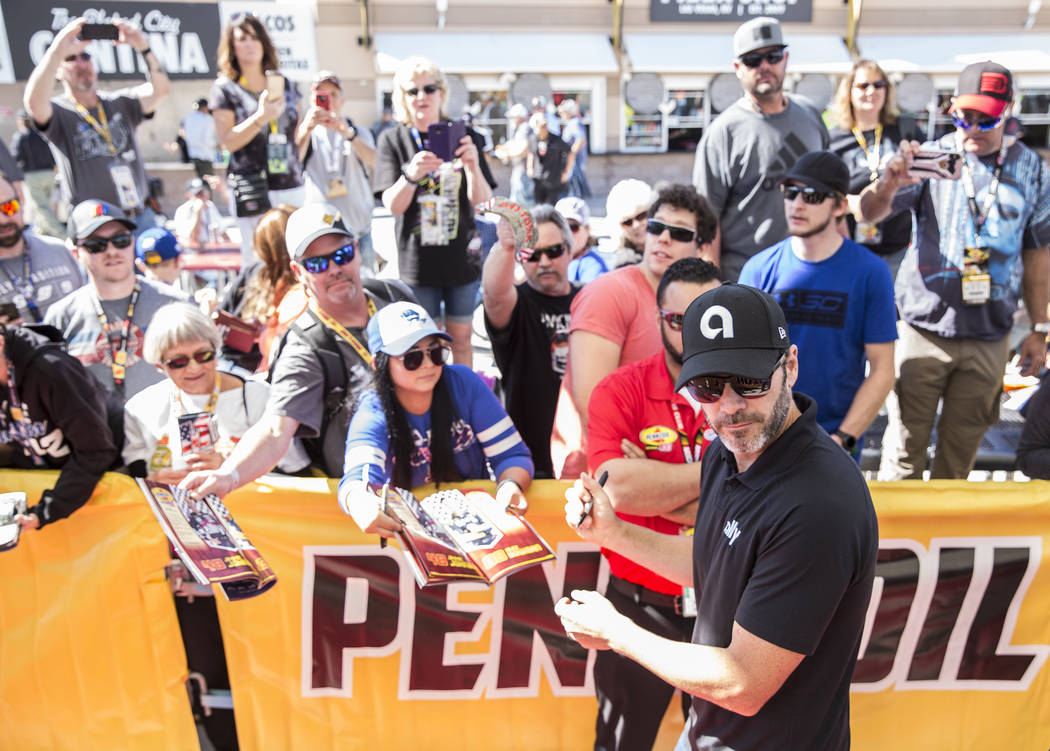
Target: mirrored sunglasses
{"points": [[10, 207], [754, 59], [984, 124], [319, 264], [673, 320], [681, 234], [708, 389], [809, 195], [95, 245], [201, 357], [439, 354]]}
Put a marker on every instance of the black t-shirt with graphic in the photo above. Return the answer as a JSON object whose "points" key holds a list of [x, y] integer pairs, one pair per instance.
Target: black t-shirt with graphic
{"points": [[531, 353]]}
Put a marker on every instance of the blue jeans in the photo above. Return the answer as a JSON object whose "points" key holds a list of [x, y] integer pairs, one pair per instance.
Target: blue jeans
{"points": [[458, 301]]}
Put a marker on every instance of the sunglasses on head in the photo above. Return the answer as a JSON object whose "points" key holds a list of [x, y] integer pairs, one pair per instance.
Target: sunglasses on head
{"points": [[754, 59], [201, 357], [439, 354], [319, 264], [429, 89], [681, 234], [84, 56], [809, 195], [95, 245], [985, 123], [870, 85], [673, 320], [635, 219], [709, 388], [10, 207], [551, 251]]}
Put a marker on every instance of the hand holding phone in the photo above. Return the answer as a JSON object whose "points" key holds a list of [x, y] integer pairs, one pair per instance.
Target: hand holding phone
{"points": [[106, 31], [274, 84], [937, 164], [323, 101], [443, 138]]}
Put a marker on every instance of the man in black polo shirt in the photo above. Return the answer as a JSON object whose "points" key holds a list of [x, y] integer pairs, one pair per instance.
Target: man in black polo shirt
{"points": [[783, 555], [528, 325]]}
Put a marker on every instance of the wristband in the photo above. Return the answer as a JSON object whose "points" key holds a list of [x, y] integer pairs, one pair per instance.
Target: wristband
{"points": [[849, 442], [236, 478], [515, 483], [353, 135], [1041, 328], [408, 179], [145, 51]]}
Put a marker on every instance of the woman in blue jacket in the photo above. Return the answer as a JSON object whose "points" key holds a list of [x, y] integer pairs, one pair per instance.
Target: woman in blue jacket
{"points": [[425, 421]]}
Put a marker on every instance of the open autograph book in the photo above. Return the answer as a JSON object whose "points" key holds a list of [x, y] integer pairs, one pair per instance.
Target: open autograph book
{"points": [[461, 535], [208, 541]]}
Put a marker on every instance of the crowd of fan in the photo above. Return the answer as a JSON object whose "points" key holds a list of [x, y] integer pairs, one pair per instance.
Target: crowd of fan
{"points": [[896, 289]]}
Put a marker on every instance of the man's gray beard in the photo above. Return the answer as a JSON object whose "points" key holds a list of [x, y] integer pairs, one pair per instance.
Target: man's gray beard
{"points": [[771, 428]]}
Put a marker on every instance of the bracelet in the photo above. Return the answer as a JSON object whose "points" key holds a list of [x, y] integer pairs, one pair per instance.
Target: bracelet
{"points": [[353, 135], [410, 181], [145, 51], [236, 478], [509, 480]]}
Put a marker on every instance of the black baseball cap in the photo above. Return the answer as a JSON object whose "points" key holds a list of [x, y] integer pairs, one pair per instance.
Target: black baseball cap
{"points": [[820, 170], [732, 330], [986, 87]]}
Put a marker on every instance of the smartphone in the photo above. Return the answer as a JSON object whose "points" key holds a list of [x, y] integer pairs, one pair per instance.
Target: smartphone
{"points": [[936, 164], [274, 84], [322, 101], [100, 31], [443, 138], [9, 311]]}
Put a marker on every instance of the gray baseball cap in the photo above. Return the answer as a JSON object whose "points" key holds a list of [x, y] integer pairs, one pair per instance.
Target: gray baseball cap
{"points": [[88, 216], [311, 222], [756, 34]]}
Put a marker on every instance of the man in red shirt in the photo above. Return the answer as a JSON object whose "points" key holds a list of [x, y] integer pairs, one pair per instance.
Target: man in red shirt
{"points": [[649, 439]]}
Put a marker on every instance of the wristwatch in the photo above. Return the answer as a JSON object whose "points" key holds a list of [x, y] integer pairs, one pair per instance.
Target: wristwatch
{"points": [[849, 442], [1041, 328], [404, 174]]}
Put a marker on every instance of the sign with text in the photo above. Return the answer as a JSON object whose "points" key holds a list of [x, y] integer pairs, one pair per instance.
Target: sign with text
{"points": [[291, 28], [184, 36], [732, 11]]}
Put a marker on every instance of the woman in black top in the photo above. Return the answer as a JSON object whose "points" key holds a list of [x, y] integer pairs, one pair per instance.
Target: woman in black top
{"points": [[433, 201], [866, 136], [256, 128]]}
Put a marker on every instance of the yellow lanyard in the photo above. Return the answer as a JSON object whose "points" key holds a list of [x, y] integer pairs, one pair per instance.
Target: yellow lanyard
{"points": [[334, 325], [244, 84], [102, 128], [873, 157], [213, 398]]}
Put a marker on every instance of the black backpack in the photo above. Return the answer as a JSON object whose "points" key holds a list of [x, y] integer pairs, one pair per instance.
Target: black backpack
{"points": [[327, 451]]}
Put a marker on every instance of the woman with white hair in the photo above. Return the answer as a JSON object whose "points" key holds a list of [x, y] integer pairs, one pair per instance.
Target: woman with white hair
{"points": [[628, 206], [183, 343], [432, 199]]}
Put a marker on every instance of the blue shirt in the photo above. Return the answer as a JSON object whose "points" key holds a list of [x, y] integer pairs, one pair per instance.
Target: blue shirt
{"points": [[482, 435], [833, 308], [587, 267]]}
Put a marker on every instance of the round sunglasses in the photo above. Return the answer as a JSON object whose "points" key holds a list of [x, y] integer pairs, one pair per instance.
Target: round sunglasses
{"points": [[200, 357], [708, 389], [319, 264], [96, 245], [439, 354]]}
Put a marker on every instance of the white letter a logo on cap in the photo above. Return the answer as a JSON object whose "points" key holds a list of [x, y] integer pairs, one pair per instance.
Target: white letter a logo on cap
{"points": [[724, 317]]}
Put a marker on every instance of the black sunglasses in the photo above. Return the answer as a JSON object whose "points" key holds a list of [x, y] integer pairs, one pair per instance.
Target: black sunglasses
{"points": [[439, 354], [674, 320], [319, 264], [429, 89], [809, 195], [870, 85], [85, 56], [754, 59], [709, 388], [681, 234], [551, 251], [635, 219], [180, 362], [95, 245]]}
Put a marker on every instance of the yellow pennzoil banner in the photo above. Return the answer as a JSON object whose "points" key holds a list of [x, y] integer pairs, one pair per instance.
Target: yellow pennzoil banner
{"points": [[345, 652]]}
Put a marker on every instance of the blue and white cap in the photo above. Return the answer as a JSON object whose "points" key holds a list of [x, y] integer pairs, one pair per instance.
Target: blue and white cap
{"points": [[399, 326]]}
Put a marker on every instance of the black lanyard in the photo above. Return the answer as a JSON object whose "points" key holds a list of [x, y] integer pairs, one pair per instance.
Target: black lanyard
{"points": [[24, 285], [979, 215]]}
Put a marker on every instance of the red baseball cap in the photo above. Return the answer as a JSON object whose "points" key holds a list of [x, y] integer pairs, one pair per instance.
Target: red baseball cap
{"points": [[986, 87]]}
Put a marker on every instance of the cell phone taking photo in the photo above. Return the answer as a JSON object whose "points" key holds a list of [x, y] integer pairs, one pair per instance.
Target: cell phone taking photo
{"points": [[274, 84], [107, 31], [443, 138], [322, 101], [936, 164]]}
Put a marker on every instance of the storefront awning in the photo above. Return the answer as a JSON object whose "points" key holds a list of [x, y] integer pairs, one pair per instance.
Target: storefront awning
{"points": [[713, 53], [950, 53], [499, 53]]}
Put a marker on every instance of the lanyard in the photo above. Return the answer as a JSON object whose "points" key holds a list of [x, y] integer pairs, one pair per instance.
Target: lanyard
{"points": [[417, 138], [180, 409], [24, 285], [334, 325], [22, 422], [872, 157], [101, 126], [330, 144], [120, 355], [683, 438], [979, 215]]}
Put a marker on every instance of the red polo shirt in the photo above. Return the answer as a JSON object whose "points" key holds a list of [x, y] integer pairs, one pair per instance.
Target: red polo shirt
{"points": [[638, 402]]}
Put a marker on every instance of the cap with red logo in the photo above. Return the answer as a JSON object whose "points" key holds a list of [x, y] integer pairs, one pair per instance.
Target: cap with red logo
{"points": [[986, 87]]}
